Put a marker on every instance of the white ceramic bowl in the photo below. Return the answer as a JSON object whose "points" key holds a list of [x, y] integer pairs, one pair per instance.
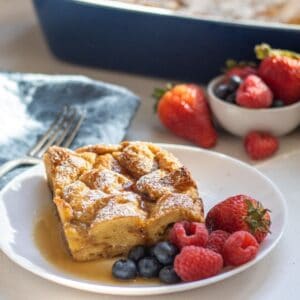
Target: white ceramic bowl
{"points": [[240, 120]]}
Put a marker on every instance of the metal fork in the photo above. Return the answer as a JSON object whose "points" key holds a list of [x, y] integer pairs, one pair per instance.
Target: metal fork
{"points": [[60, 133]]}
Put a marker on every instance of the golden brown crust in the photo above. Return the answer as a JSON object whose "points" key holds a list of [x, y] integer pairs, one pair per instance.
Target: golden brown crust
{"points": [[112, 197]]}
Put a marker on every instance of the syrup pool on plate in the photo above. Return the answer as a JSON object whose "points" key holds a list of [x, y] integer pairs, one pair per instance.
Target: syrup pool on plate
{"points": [[49, 239]]}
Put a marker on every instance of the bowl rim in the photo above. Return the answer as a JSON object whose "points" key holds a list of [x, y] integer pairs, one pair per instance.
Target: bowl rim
{"points": [[211, 95]]}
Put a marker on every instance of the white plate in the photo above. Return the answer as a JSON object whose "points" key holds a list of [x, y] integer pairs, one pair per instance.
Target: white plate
{"points": [[218, 177]]}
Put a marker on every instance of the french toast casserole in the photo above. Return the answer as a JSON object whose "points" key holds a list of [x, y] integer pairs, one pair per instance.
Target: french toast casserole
{"points": [[283, 11], [112, 197]]}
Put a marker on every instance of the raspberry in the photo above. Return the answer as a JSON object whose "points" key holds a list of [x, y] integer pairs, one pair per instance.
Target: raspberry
{"points": [[240, 248], [254, 93], [216, 240], [189, 233], [194, 263], [260, 145]]}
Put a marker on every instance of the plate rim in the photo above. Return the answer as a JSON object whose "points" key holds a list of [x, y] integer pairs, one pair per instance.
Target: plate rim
{"points": [[147, 290]]}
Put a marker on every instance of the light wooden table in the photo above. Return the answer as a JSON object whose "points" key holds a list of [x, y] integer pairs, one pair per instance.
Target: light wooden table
{"points": [[22, 48]]}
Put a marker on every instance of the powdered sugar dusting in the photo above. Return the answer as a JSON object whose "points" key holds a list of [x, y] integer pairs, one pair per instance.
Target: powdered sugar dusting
{"points": [[176, 200], [232, 9], [105, 179], [114, 209], [93, 195], [154, 184], [96, 194]]}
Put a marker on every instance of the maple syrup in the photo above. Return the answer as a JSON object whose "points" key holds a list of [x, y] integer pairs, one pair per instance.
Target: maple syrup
{"points": [[50, 241]]}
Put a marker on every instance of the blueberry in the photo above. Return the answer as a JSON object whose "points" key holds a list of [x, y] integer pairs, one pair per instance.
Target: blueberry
{"points": [[231, 98], [165, 252], [221, 91], [278, 103], [137, 252], [124, 269], [151, 251], [149, 267], [233, 83], [168, 275]]}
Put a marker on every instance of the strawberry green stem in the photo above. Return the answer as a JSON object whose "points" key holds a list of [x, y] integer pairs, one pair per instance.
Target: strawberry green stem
{"points": [[256, 217], [159, 92], [263, 51], [231, 63]]}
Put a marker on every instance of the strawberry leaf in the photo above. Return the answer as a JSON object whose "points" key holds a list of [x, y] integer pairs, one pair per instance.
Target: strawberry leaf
{"points": [[158, 93], [264, 50], [231, 63], [256, 217]]}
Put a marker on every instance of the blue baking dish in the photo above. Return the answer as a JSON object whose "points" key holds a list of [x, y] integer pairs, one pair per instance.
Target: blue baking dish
{"points": [[151, 41]]}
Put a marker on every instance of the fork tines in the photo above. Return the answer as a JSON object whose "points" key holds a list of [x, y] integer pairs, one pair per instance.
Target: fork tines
{"points": [[61, 132]]}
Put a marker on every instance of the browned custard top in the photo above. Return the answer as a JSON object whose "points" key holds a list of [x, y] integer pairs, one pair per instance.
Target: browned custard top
{"points": [[113, 197], [135, 174]]}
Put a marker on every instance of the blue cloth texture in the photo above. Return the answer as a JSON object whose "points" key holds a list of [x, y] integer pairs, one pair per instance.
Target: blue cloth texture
{"points": [[29, 104]]}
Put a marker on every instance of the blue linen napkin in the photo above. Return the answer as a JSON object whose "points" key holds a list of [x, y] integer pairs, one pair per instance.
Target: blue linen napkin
{"points": [[30, 102]]}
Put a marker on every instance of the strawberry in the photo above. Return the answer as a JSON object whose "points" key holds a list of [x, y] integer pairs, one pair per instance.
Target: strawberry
{"points": [[280, 69], [254, 93], [240, 212], [260, 145], [183, 109], [241, 69]]}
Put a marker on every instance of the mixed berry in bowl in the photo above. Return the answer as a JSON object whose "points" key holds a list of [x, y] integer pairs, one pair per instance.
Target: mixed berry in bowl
{"points": [[275, 82], [262, 98]]}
